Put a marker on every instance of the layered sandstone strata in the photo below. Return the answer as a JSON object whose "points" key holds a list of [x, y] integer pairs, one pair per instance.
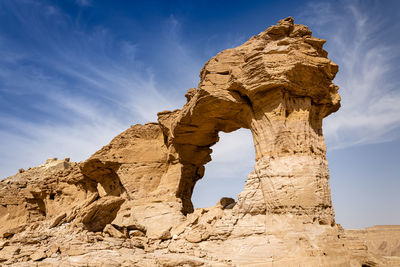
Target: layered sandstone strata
{"points": [[130, 203]]}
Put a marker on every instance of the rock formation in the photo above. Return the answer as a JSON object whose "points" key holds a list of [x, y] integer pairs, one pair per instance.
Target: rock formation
{"points": [[130, 204], [382, 240]]}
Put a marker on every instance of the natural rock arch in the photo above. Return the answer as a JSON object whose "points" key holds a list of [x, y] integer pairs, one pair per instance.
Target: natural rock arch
{"points": [[279, 86], [232, 159]]}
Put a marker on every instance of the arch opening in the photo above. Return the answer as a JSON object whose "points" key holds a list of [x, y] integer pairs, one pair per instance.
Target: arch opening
{"points": [[233, 158]]}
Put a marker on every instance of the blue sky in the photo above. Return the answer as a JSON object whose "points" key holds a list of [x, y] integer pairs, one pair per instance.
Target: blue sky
{"points": [[75, 73]]}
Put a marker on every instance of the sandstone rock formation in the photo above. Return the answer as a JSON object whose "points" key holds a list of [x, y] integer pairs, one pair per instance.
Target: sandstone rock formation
{"points": [[130, 204], [382, 240]]}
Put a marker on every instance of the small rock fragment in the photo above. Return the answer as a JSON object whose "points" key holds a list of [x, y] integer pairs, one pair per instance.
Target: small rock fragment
{"points": [[112, 231]]}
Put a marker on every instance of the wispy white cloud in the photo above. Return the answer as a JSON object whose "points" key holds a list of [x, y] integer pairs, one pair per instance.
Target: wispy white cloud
{"points": [[92, 86], [73, 90], [84, 2], [358, 42]]}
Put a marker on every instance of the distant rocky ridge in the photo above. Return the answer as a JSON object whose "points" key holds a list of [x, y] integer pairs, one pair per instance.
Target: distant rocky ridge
{"points": [[130, 204]]}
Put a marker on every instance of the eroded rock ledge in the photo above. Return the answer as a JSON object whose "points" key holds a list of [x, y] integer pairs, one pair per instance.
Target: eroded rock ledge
{"points": [[130, 204]]}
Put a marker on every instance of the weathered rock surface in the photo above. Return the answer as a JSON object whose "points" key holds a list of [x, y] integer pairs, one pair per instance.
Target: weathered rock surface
{"points": [[130, 204], [382, 240]]}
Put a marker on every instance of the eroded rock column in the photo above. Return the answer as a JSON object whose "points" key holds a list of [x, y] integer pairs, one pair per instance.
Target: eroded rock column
{"points": [[290, 156]]}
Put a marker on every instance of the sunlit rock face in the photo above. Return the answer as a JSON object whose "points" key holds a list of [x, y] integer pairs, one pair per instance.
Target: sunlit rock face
{"points": [[279, 85], [133, 196]]}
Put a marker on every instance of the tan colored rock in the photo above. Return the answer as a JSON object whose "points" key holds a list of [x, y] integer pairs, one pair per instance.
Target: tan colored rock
{"points": [[225, 202], [38, 193], [139, 242], [3, 244], [8, 253], [99, 213], [198, 234], [56, 165], [175, 260], [11, 232], [134, 233], [382, 240], [54, 248], [57, 220], [113, 232], [39, 255]]}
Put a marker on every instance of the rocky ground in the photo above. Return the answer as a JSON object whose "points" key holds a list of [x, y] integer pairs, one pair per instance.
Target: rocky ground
{"points": [[212, 236]]}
